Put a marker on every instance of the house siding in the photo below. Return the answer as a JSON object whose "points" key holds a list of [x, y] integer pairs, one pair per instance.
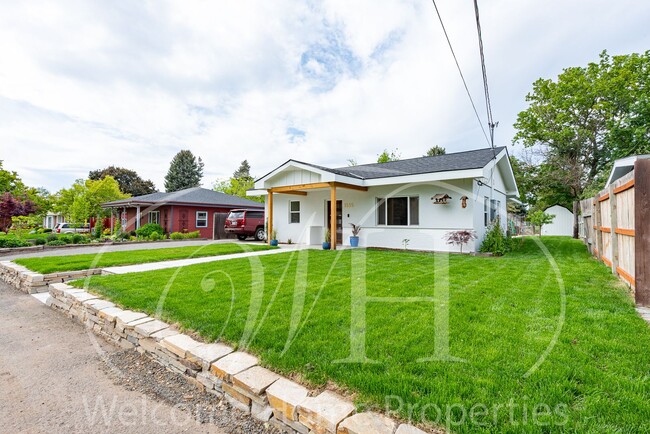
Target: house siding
{"points": [[177, 218], [435, 220]]}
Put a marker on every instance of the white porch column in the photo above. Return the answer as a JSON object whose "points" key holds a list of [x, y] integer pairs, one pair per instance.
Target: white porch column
{"points": [[137, 217]]}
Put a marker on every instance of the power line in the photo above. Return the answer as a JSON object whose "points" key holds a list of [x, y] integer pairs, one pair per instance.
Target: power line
{"points": [[461, 74], [488, 104]]}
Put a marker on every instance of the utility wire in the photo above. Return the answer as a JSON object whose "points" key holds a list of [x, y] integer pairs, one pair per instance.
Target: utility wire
{"points": [[480, 122], [488, 104]]}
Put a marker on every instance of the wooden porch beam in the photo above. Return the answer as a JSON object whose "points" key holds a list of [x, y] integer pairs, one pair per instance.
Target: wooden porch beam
{"points": [[299, 187], [297, 193], [350, 186], [296, 189], [333, 216], [270, 222]]}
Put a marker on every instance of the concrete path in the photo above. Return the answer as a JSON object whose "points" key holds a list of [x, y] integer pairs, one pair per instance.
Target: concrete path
{"points": [[137, 268], [52, 381], [88, 248], [644, 312]]}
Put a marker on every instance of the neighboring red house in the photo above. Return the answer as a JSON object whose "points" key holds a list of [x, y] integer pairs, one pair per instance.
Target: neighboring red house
{"points": [[192, 209]]}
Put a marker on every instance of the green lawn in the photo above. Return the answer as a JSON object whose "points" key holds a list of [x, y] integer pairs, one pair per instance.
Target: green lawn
{"points": [[53, 264], [503, 313]]}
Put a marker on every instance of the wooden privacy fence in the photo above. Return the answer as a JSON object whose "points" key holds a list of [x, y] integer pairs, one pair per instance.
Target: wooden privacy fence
{"points": [[615, 225]]}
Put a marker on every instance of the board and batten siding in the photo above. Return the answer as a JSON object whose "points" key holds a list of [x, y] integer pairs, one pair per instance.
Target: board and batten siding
{"points": [[435, 220], [293, 177]]}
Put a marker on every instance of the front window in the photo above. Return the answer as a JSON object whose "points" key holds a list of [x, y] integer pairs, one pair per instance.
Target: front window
{"points": [[398, 211], [294, 211], [201, 219], [154, 217], [495, 205]]}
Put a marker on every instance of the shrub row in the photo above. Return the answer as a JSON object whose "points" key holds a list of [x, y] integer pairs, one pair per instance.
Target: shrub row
{"points": [[184, 236]]}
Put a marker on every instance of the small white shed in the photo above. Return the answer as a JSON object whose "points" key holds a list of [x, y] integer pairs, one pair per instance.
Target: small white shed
{"points": [[562, 223]]}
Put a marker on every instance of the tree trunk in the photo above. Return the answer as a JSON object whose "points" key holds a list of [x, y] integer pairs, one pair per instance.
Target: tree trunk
{"points": [[576, 219]]}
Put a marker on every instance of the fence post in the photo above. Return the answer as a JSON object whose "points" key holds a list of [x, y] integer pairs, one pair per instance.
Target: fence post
{"points": [[642, 231], [614, 224], [597, 225]]}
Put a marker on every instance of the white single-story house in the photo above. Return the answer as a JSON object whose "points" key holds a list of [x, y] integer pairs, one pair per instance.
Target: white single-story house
{"points": [[410, 203], [562, 223]]}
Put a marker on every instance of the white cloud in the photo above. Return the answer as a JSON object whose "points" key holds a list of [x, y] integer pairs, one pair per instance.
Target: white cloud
{"points": [[88, 84]]}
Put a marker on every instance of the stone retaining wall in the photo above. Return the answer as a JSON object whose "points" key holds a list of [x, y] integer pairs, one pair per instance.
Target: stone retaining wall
{"points": [[219, 369], [30, 282]]}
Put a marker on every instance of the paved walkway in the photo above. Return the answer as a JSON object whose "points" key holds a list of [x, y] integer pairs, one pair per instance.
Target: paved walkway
{"points": [[644, 312], [137, 268], [52, 379]]}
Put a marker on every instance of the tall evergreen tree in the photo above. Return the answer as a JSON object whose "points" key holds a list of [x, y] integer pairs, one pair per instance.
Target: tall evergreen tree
{"points": [[436, 150], [185, 171], [244, 171], [130, 182]]}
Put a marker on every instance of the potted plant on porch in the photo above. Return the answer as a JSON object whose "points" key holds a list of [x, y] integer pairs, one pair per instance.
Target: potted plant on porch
{"points": [[328, 239], [274, 238], [354, 239]]}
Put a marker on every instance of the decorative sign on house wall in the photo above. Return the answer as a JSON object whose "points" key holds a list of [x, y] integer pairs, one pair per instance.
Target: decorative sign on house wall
{"points": [[463, 201], [441, 199]]}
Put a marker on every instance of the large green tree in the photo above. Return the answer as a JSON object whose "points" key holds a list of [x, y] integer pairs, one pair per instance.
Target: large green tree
{"points": [[185, 171], [83, 199], [240, 182], [130, 182], [581, 121], [387, 156]]}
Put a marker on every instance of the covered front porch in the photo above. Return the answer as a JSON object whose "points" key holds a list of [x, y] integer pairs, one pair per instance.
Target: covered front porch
{"points": [[332, 202]]}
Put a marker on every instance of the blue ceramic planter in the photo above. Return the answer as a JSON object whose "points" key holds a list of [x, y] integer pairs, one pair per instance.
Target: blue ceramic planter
{"points": [[274, 243], [354, 241], [326, 246]]}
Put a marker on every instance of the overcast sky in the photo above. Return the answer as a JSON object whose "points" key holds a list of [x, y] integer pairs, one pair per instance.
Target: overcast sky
{"points": [[87, 84]]}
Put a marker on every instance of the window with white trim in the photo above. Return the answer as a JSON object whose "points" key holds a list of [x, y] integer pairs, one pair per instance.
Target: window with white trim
{"points": [[154, 217], [201, 219], [495, 205], [294, 211], [398, 211]]}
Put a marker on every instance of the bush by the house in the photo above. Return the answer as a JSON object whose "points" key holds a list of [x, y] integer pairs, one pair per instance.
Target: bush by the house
{"points": [[78, 239], [146, 230], [56, 243], [155, 236], [7, 243], [176, 236], [495, 241], [98, 230], [47, 230], [184, 236]]}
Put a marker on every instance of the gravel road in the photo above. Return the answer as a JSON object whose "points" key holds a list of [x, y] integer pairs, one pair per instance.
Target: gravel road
{"points": [[57, 377]]}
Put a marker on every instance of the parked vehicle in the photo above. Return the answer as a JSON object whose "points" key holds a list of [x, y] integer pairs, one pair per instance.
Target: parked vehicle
{"points": [[69, 228], [246, 223]]}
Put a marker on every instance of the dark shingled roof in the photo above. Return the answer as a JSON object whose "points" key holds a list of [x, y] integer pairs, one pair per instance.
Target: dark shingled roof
{"points": [[196, 195], [467, 160]]}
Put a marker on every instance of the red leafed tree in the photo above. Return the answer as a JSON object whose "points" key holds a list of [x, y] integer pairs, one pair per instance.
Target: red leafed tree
{"points": [[460, 237], [11, 206]]}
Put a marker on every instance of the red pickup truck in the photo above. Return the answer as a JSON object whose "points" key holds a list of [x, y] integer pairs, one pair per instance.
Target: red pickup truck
{"points": [[246, 223]]}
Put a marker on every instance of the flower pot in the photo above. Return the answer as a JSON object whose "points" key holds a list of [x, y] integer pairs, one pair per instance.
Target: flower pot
{"points": [[274, 243], [326, 246], [354, 241]]}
